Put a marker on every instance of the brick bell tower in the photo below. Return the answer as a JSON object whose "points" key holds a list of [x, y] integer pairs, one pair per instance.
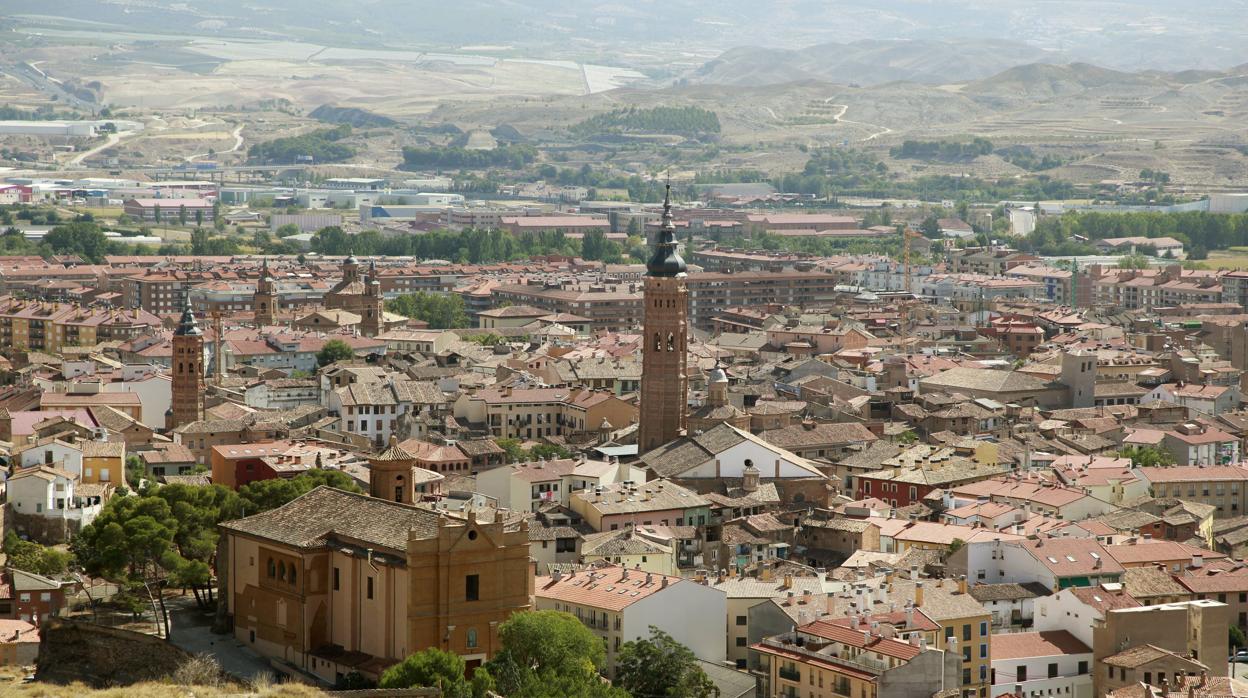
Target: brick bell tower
{"points": [[188, 372], [664, 407], [264, 303], [373, 309]]}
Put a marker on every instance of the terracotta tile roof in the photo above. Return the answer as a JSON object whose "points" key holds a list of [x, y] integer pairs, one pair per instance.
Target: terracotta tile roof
{"points": [[1102, 600], [1214, 687], [1008, 591], [1140, 655], [837, 633], [807, 435], [103, 449], [1147, 582], [1072, 557], [1194, 473], [1218, 584], [309, 521], [656, 495], [607, 588], [1157, 551], [1047, 643]]}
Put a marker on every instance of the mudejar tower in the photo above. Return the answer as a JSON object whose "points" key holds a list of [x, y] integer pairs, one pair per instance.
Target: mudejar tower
{"points": [[665, 378]]}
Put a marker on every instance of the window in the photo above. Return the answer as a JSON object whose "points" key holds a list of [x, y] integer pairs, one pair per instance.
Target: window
{"points": [[337, 578], [370, 588], [1021, 674], [966, 633], [983, 650], [272, 569], [983, 628], [741, 620], [966, 676], [1083, 668], [1148, 677], [1053, 670], [472, 587], [471, 642], [740, 642]]}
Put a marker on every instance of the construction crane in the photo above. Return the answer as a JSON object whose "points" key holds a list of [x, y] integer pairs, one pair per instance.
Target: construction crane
{"points": [[218, 358], [907, 280]]}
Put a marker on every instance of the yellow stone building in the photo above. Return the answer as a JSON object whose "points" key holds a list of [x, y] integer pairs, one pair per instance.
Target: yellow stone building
{"points": [[335, 582]]}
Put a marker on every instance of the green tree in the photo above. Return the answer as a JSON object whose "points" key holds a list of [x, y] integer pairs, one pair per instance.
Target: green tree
{"points": [[930, 227], [435, 668], [1147, 456], [32, 557], [1235, 637], [182, 214], [488, 339], [199, 216], [169, 533], [441, 310], [84, 239], [134, 471], [549, 653], [1133, 261], [661, 666], [331, 240], [334, 350], [199, 241], [594, 245], [512, 449], [263, 495]]}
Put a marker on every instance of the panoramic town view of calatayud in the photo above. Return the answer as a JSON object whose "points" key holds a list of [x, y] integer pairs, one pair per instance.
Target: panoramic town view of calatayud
{"points": [[682, 349]]}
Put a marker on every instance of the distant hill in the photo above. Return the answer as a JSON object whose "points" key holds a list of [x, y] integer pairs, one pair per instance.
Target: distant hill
{"points": [[868, 62], [350, 116]]}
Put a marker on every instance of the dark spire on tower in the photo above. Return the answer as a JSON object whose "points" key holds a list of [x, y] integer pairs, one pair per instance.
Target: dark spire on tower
{"points": [[666, 260], [187, 327]]}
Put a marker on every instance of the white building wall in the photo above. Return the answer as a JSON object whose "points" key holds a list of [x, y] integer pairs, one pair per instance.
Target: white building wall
{"points": [[156, 394], [1021, 566], [1068, 683], [66, 458], [693, 614], [732, 463], [1064, 611]]}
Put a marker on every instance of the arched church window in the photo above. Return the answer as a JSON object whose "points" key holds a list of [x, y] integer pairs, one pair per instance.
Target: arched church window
{"points": [[671, 342], [658, 342]]}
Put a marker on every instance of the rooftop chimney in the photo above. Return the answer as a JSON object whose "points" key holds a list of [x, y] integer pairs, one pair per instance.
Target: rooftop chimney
{"points": [[918, 593]]}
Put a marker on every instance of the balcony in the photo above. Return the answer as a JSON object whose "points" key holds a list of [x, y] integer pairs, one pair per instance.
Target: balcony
{"points": [[790, 674]]}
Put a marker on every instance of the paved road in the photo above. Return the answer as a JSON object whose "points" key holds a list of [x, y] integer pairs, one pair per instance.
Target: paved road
{"points": [[192, 631]]}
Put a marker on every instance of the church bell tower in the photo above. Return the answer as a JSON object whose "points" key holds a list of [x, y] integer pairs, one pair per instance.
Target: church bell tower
{"points": [[264, 303], [188, 372], [665, 378]]}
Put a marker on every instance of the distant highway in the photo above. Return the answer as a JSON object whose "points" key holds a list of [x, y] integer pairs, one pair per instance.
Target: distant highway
{"points": [[40, 81]]}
